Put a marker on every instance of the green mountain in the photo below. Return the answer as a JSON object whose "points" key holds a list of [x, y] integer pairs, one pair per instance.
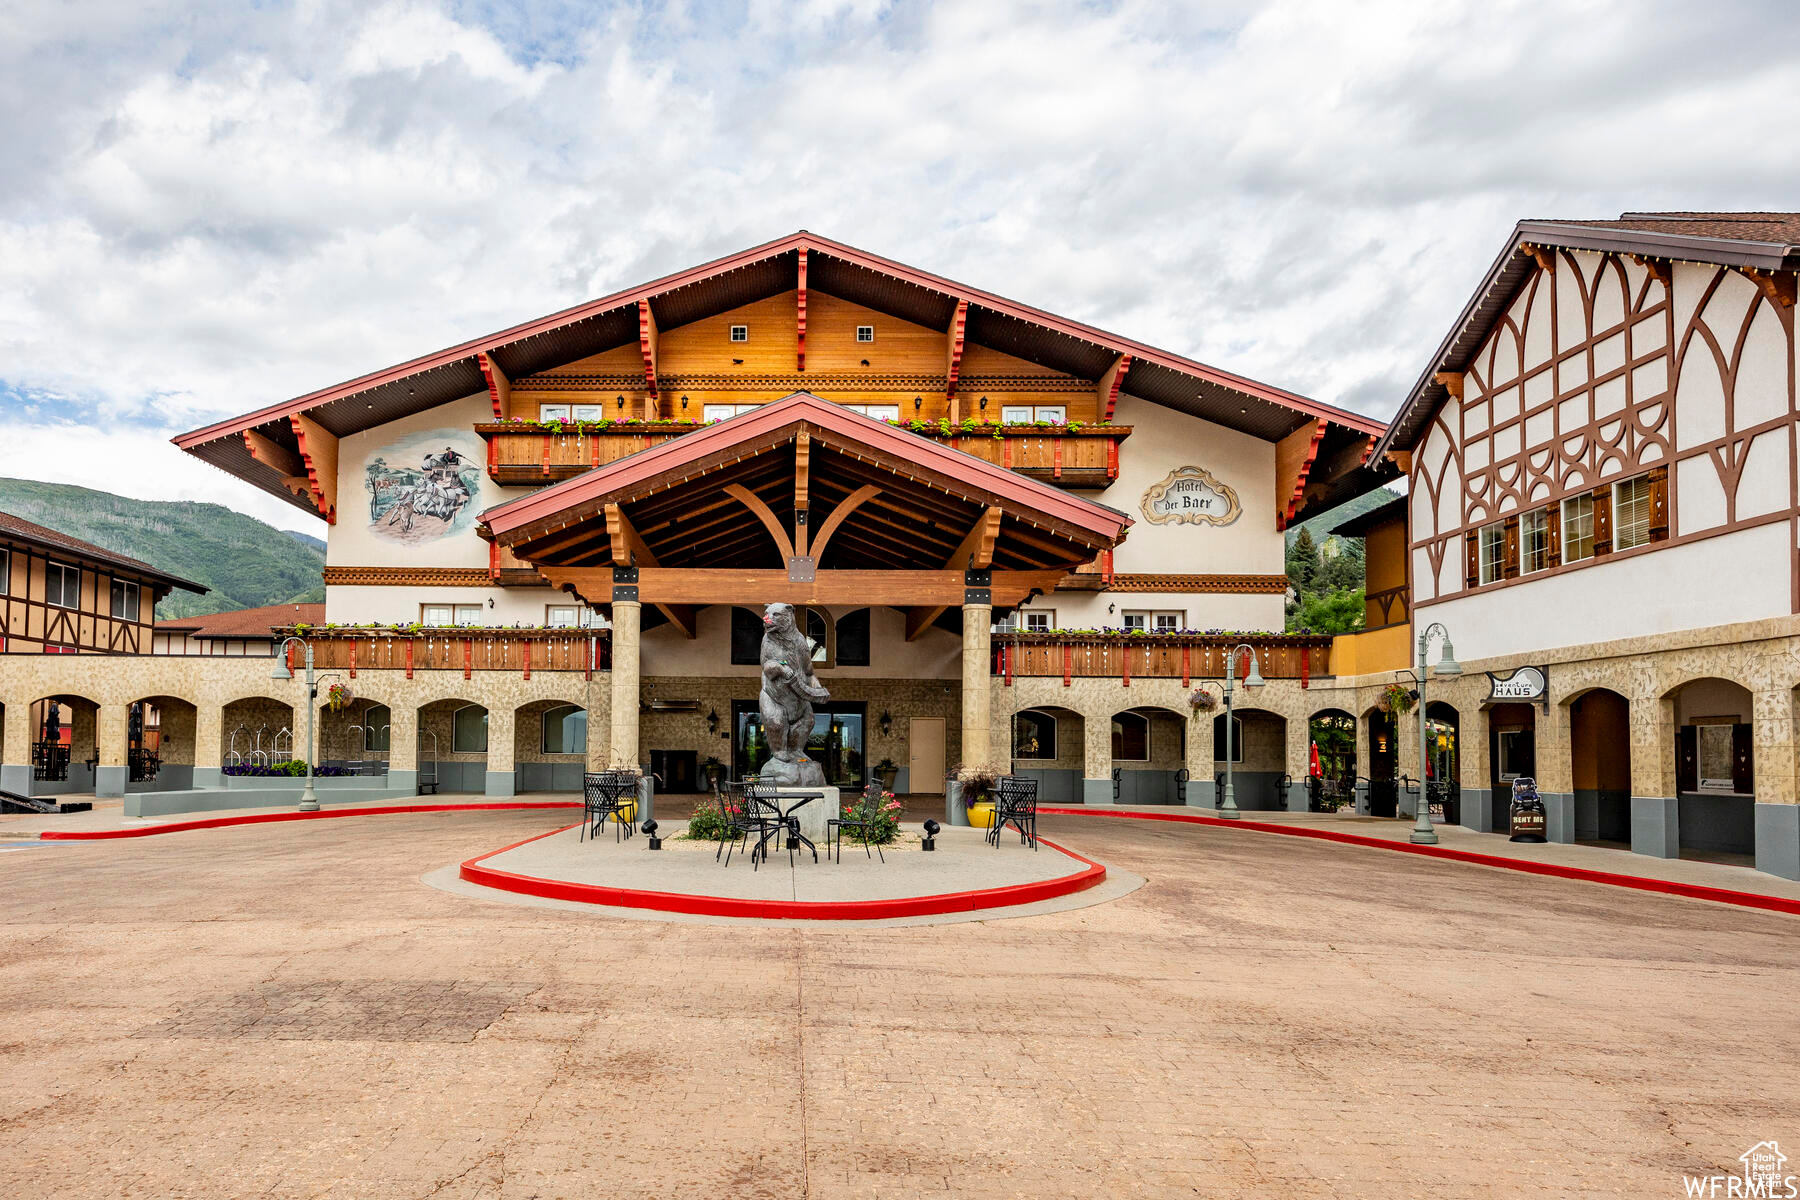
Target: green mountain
{"points": [[1320, 526], [245, 562]]}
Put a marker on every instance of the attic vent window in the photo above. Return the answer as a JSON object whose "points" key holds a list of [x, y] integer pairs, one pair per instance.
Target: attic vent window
{"points": [[865, 333], [740, 333]]}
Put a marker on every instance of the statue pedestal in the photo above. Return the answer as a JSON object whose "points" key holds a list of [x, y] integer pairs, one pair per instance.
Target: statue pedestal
{"points": [[813, 816]]}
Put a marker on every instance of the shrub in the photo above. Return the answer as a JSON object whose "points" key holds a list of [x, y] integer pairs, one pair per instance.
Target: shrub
{"points": [[708, 824], [883, 824]]}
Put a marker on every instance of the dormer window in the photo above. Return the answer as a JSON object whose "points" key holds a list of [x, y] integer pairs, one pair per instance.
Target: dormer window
{"points": [[740, 333], [865, 333]]}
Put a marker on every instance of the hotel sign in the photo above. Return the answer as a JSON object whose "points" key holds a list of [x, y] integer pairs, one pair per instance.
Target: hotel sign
{"points": [[1190, 496], [1522, 683]]}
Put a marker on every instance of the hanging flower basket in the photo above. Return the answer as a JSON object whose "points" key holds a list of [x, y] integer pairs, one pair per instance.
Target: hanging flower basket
{"points": [[1202, 701], [338, 697], [1397, 699]]}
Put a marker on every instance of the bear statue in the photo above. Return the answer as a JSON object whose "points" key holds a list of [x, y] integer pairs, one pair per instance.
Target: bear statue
{"points": [[789, 691]]}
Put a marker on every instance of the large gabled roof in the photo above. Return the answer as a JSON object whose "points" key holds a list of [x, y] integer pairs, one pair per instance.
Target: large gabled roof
{"points": [[74, 547], [1757, 241], [834, 268]]}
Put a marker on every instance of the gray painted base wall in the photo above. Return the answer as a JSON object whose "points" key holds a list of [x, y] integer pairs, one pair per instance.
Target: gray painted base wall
{"points": [[498, 783], [1200, 793], [1654, 826], [1096, 791], [1726, 823], [1477, 811], [1146, 787], [1602, 816], [1559, 816], [1778, 839], [548, 777], [163, 804], [15, 778], [174, 777], [109, 781], [1055, 786], [1256, 791]]}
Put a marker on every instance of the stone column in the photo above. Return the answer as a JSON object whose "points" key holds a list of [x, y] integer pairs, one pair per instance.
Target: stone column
{"points": [[1364, 756], [501, 780], [110, 732], [1478, 809], [1406, 761], [1655, 812], [15, 746], [977, 679], [403, 749], [1555, 772], [1299, 762], [209, 744], [1097, 763], [1777, 815], [1200, 752], [627, 616]]}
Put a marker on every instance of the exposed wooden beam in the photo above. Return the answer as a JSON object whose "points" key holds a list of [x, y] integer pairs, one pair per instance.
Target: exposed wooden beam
{"points": [[628, 549], [319, 454], [1107, 391], [1778, 286], [681, 585], [685, 617], [1544, 256], [953, 337], [974, 553], [800, 316], [1401, 459], [274, 455], [1452, 382], [920, 618], [848, 505], [499, 386], [647, 344], [755, 504], [802, 480], [1294, 455], [1657, 267]]}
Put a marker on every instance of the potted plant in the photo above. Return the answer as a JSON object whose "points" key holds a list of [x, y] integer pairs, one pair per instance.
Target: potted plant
{"points": [[712, 771], [338, 697], [1202, 701], [973, 788], [1398, 699], [886, 771]]}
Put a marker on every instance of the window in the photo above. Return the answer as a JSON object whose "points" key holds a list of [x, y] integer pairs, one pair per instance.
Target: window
{"points": [[5, 571], [1631, 513], [570, 616], [1025, 414], [125, 600], [1034, 735], [1714, 743], [853, 639], [468, 730], [865, 333], [1040, 620], [1493, 551], [1131, 737], [553, 412], [1534, 540], [375, 724], [724, 412], [1237, 739], [440, 616], [877, 412], [746, 637], [565, 730], [468, 614], [740, 333], [1158, 622], [62, 585], [1578, 528], [818, 628], [588, 412]]}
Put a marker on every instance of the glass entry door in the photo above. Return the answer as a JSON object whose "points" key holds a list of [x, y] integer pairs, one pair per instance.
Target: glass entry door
{"points": [[836, 743]]}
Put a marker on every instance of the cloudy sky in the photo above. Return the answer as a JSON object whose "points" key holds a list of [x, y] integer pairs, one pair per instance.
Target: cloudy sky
{"points": [[205, 207]]}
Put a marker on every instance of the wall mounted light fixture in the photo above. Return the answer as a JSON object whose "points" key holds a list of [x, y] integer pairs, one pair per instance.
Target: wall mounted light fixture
{"points": [[887, 723], [712, 721]]}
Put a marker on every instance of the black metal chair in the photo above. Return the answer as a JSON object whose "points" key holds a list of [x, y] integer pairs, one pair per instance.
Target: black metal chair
{"points": [[862, 818], [761, 816], [1015, 804], [737, 814], [607, 794]]}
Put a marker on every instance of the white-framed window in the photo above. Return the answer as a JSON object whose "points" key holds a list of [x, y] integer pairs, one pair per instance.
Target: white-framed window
{"points": [[1026, 414], [1577, 528], [1038, 620], [877, 412], [439, 616], [125, 600], [376, 729], [1492, 550], [468, 730], [1534, 541], [1631, 513], [570, 616], [587, 412], [1153, 621], [565, 730], [724, 412], [5, 571], [740, 333], [865, 333], [62, 585], [553, 412]]}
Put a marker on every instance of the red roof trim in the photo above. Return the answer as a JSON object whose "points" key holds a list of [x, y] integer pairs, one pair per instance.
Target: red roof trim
{"points": [[801, 240], [804, 406]]}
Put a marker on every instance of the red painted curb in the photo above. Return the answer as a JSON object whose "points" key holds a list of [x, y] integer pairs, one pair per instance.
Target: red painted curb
{"points": [[262, 818], [822, 910], [1692, 891]]}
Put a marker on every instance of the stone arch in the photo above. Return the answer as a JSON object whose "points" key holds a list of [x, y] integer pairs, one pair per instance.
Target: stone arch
{"points": [[550, 741], [1600, 764], [1332, 732], [256, 730], [1259, 755], [440, 760], [1148, 750], [161, 735], [64, 732], [1713, 746], [1059, 766]]}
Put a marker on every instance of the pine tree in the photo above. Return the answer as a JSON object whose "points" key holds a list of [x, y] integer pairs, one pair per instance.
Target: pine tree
{"points": [[1302, 563]]}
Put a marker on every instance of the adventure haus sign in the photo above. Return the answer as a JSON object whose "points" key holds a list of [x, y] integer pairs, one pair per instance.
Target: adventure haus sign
{"points": [[1190, 496]]}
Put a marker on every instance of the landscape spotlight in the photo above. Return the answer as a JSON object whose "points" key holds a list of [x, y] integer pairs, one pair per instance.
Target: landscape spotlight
{"points": [[649, 828], [931, 832]]}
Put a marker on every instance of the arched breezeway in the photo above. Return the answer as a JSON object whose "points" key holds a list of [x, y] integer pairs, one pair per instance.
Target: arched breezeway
{"points": [[1600, 766], [1148, 751], [1047, 745], [1332, 736], [1258, 755], [1715, 768]]}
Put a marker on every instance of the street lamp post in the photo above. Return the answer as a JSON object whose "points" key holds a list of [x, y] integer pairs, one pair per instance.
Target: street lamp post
{"points": [[309, 798], [1252, 679], [1423, 834]]}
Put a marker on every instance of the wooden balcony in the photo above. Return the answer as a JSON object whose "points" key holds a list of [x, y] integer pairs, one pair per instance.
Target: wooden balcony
{"points": [[468, 649], [526, 454], [1184, 656]]}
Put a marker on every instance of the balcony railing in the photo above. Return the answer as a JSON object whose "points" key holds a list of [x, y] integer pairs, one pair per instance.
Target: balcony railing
{"points": [[465, 649], [1183, 656], [522, 454]]}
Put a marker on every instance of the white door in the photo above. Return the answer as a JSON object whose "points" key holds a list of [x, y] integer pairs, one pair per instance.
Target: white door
{"points": [[925, 755]]}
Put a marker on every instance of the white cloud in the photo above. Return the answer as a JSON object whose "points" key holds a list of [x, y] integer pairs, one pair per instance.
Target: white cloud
{"points": [[206, 211]]}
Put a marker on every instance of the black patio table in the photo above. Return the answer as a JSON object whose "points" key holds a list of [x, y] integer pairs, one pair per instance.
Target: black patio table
{"points": [[789, 825]]}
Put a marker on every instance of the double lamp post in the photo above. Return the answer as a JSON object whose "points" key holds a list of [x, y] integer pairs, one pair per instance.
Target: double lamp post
{"points": [[309, 798], [1252, 679]]}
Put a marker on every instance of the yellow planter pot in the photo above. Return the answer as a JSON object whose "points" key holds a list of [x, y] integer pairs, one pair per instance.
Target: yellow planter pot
{"points": [[981, 816]]}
